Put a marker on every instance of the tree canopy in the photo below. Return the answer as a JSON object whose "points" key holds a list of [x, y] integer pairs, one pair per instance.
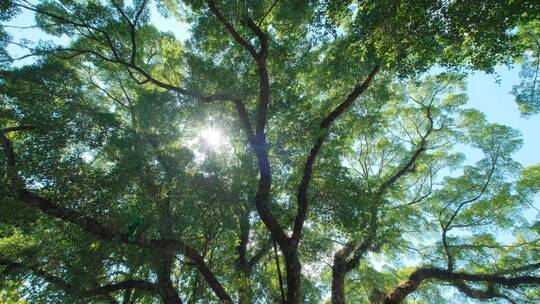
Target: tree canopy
{"points": [[286, 152]]}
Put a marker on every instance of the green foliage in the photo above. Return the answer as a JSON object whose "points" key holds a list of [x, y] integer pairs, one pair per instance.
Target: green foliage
{"points": [[527, 91], [530, 177], [8, 10], [108, 130]]}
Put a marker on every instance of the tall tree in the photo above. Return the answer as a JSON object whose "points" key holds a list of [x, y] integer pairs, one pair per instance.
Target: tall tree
{"points": [[281, 135]]}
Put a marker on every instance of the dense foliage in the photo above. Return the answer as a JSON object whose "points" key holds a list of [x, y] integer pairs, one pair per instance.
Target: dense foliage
{"points": [[286, 152]]}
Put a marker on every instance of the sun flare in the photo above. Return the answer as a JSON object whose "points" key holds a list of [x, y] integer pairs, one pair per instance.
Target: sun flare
{"points": [[212, 136]]}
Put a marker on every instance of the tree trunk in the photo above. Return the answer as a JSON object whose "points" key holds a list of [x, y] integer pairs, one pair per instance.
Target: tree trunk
{"points": [[244, 287], [338, 285], [168, 293], [348, 258], [294, 276], [339, 271], [166, 290], [244, 290], [345, 260]]}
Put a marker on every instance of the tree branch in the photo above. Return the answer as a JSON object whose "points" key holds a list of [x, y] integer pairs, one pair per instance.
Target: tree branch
{"points": [[259, 142], [87, 293], [448, 226], [399, 293], [327, 122], [230, 28]]}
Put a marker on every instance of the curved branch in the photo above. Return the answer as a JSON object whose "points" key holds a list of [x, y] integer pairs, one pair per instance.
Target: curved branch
{"points": [[230, 28], [258, 143], [348, 258], [399, 293], [448, 226], [86, 293], [327, 122]]}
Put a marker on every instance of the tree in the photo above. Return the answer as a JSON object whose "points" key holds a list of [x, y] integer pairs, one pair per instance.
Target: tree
{"points": [[340, 148], [526, 91]]}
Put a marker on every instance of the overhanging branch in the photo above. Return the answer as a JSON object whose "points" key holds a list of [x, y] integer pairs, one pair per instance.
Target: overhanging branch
{"points": [[12, 266], [399, 293]]}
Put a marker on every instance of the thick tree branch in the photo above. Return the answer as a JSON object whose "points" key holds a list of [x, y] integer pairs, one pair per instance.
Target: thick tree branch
{"points": [[132, 27], [259, 144], [404, 169], [349, 256], [12, 266], [259, 57], [264, 83], [327, 122], [419, 149], [399, 293], [290, 250], [358, 90], [230, 28]]}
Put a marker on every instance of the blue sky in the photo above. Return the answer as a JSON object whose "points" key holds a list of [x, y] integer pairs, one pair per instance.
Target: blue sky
{"points": [[495, 100]]}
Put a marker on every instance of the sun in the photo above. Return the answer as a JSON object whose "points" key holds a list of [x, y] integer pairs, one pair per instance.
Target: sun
{"points": [[212, 136]]}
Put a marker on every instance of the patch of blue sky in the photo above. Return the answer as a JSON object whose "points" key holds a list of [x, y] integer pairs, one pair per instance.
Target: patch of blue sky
{"points": [[491, 95]]}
